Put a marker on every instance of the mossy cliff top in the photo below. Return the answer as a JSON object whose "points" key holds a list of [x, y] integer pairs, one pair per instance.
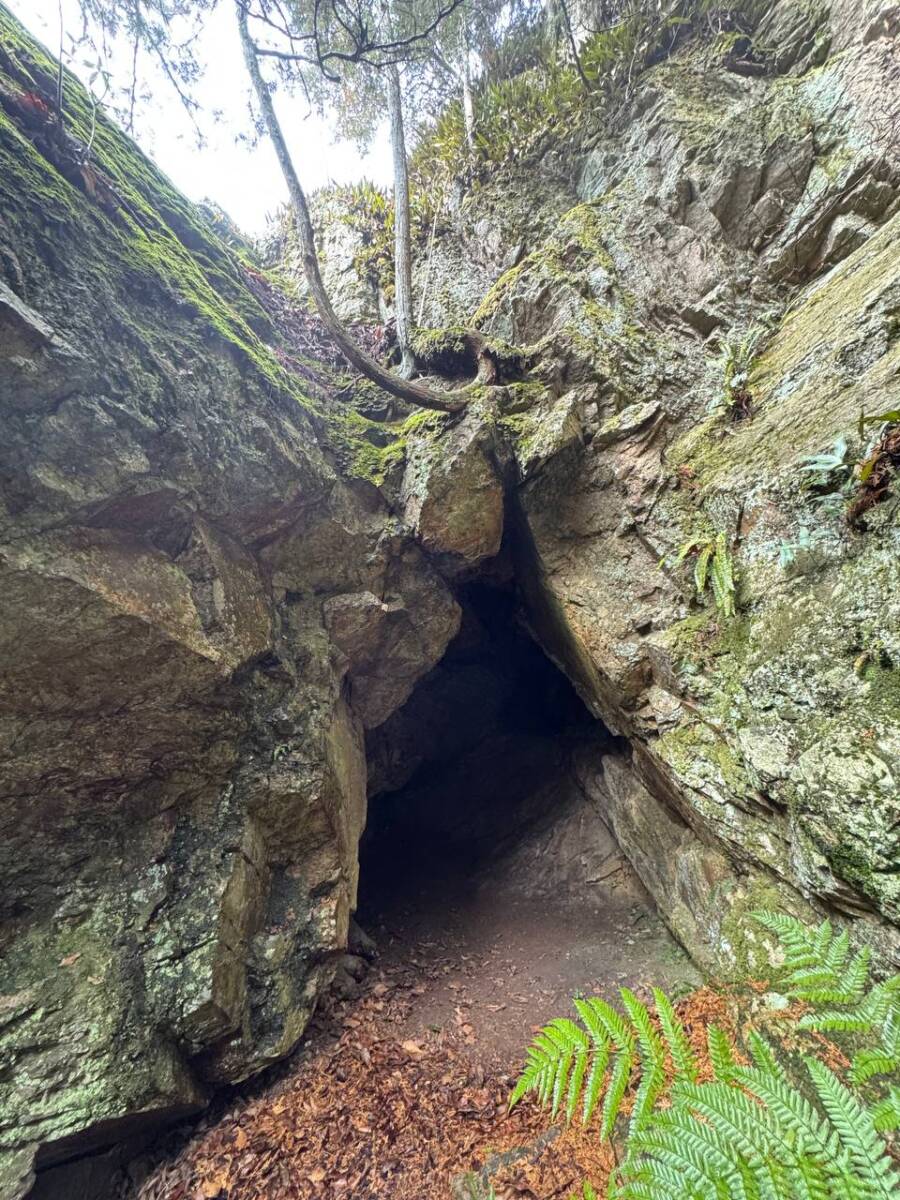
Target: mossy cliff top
{"points": [[75, 180]]}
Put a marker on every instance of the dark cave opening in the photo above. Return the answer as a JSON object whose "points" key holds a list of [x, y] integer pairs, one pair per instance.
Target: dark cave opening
{"points": [[489, 879], [478, 762]]}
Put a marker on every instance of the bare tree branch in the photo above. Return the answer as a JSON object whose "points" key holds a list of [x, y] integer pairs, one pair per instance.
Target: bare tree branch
{"points": [[412, 392], [363, 47]]}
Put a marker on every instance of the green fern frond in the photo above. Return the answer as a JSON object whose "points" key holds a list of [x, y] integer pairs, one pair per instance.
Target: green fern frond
{"points": [[836, 954], [685, 1154], [654, 1181], [576, 1081], [709, 1150], [560, 1080], [720, 1054], [722, 577], [890, 1032], [856, 1128], [653, 1059], [752, 1133], [886, 1113], [795, 1117], [736, 1115], [675, 1038], [764, 1056], [592, 1023], [828, 984], [807, 1179], [803, 947], [701, 567], [572, 1045], [594, 1083], [615, 1093], [566, 1062], [869, 1063], [714, 568], [817, 972], [617, 1028], [836, 1021]]}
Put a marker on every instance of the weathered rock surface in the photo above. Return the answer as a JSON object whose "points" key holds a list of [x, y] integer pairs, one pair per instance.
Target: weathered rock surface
{"points": [[766, 760], [206, 620], [453, 494], [197, 619]]}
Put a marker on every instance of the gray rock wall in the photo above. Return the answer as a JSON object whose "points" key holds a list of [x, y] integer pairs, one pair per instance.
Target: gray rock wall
{"points": [[727, 211], [198, 617], [201, 613]]}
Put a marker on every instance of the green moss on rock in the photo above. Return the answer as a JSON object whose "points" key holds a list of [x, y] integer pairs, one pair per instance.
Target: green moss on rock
{"points": [[132, 225]]}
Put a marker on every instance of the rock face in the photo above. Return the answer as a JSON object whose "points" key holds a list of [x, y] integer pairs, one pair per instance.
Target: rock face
{"points": [[751, 219], [206, 613], [198, 617]]}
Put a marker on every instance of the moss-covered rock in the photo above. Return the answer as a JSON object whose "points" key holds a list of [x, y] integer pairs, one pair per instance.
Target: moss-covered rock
{"points": [[198, 555], [183, 780], [453, 491], [723, 212]]}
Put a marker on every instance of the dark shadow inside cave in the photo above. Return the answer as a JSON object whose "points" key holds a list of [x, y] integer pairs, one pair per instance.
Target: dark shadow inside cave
{"points": [[477, 761]]}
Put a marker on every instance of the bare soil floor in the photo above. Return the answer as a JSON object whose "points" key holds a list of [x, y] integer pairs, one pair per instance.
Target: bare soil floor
{"points": [[404, 1088], [497, 965]]}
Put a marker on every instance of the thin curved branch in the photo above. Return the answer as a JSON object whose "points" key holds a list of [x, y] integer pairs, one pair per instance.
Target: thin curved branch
{"points": [[363, 47], [412, 392]]}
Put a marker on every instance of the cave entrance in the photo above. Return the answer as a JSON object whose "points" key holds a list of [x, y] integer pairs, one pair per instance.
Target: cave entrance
{"points": [[487, 877]]}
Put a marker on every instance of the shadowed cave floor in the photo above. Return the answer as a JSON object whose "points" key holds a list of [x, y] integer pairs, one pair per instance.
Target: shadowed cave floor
{"points": [[485, 965]]}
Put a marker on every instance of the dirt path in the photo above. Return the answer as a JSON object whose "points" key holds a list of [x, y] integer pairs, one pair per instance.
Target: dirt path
{"points": [[404, 1088], [493, 965]]}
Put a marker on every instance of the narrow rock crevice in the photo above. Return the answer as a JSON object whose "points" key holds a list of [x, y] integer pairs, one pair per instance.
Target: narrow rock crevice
{"points": [[490, 877]]}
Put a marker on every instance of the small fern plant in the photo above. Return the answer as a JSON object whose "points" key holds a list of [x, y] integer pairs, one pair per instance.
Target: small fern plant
{"points": [[758, 1129], [821, 971], [713, 569], [737, 360]]}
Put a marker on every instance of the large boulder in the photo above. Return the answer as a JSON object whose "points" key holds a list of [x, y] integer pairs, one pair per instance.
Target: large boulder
{"points": [[184, 695], [753, 219]]}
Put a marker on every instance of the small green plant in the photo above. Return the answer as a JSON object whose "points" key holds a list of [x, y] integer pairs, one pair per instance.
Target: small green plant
{"points": [[714, 569], [821, 970], [828, 477], [878, 468], [885, 418], [758, 1130], [529, 91], [737, 359], [829, 471], [806, 541]]}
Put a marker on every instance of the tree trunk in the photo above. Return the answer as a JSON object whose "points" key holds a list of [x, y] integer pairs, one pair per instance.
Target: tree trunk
{"points": [[403, 302], [412, 392], [573, 45], [468, 103]]}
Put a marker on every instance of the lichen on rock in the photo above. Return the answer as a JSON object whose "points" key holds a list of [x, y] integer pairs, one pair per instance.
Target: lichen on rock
{"points": [[224, 567]]}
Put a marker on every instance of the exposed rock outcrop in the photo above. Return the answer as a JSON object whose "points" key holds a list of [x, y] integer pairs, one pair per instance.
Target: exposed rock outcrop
{"points": [[198, 618], [753, 216], [205, 609]]}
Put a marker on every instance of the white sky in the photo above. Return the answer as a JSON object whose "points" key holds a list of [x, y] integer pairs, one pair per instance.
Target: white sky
{"points": [[244, 180]]}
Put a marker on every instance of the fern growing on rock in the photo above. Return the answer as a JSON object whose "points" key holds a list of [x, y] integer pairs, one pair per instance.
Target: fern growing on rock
{"points": [[821, 971], [714, 569], [757, 1130]]}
